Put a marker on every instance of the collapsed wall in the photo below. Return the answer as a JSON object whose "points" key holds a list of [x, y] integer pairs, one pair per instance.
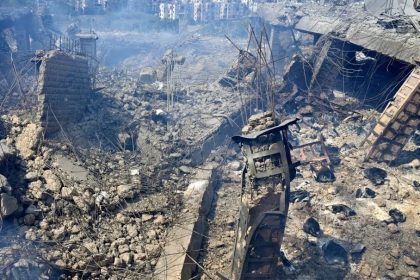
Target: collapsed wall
{"points": [[63, 88]]}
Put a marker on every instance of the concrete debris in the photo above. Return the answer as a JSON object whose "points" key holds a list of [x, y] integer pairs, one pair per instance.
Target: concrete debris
{"points": [[8, 204], [341, 208], [148, 75], [299, 196], [323, 174], [27, 141], [376, 175], [397, 216], [334, 253], [311, 226], [52, 182], [365, 193]]}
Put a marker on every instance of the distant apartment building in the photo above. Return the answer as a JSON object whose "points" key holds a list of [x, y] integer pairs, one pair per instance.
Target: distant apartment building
{"points": [[148, 6], [91, 6], [252, 5], [203, 10], [231, 10], [171, 11]]}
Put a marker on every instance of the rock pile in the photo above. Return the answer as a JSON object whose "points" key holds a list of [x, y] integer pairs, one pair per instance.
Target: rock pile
{"points": [[84, 223]]}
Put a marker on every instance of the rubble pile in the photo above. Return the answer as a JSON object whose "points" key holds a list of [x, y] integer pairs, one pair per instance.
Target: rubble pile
{"points": [[196, 112], [79, 221], [96, 201], [348, 228]]}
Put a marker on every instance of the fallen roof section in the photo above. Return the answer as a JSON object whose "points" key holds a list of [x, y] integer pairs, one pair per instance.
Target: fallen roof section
{"points": [[404, 47], [352, 23]]}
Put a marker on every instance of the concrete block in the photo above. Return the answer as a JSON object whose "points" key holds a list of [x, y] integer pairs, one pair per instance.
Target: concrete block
{"points": [[185, 237]]}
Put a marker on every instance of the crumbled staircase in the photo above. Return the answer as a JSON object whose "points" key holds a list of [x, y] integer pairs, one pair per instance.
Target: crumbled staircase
{"points": [[398, 121]]}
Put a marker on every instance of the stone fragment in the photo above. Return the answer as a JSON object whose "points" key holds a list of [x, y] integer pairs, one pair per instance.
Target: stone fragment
{"points": [[4, 184], [409, 261], [365, 270], [75, 229], [118, 261], [146, 217], [299, 196], [395, 253], [8, 204], [152, 250], [30, 235], [160, 220], [341, 208], [139, 260], [31, 209], [123, 248], [375, 175], [132, 230], [152, 234], [121, 218], [44, 224], [148, 75], [81, 203], [357, 251], [311, 226], [126, 258], [29, 219], [324, 174], [126, 191], [234, 166], [185, 169], [397, 216], [53, 183], [365, 193], [332, 190], [230, 233], [334, 253], [393, 228], [414, 274], [31, 176], [28, 140], [217, 244], [35, 188], [388, 264], [91, 247], [59, 233], [68, 192]]}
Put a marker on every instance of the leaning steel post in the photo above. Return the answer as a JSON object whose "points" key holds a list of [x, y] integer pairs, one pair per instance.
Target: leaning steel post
{"points": [[266, 181]]}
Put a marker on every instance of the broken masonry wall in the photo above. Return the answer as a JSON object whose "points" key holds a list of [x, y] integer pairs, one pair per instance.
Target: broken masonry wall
{"points": [[63, 88]]}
